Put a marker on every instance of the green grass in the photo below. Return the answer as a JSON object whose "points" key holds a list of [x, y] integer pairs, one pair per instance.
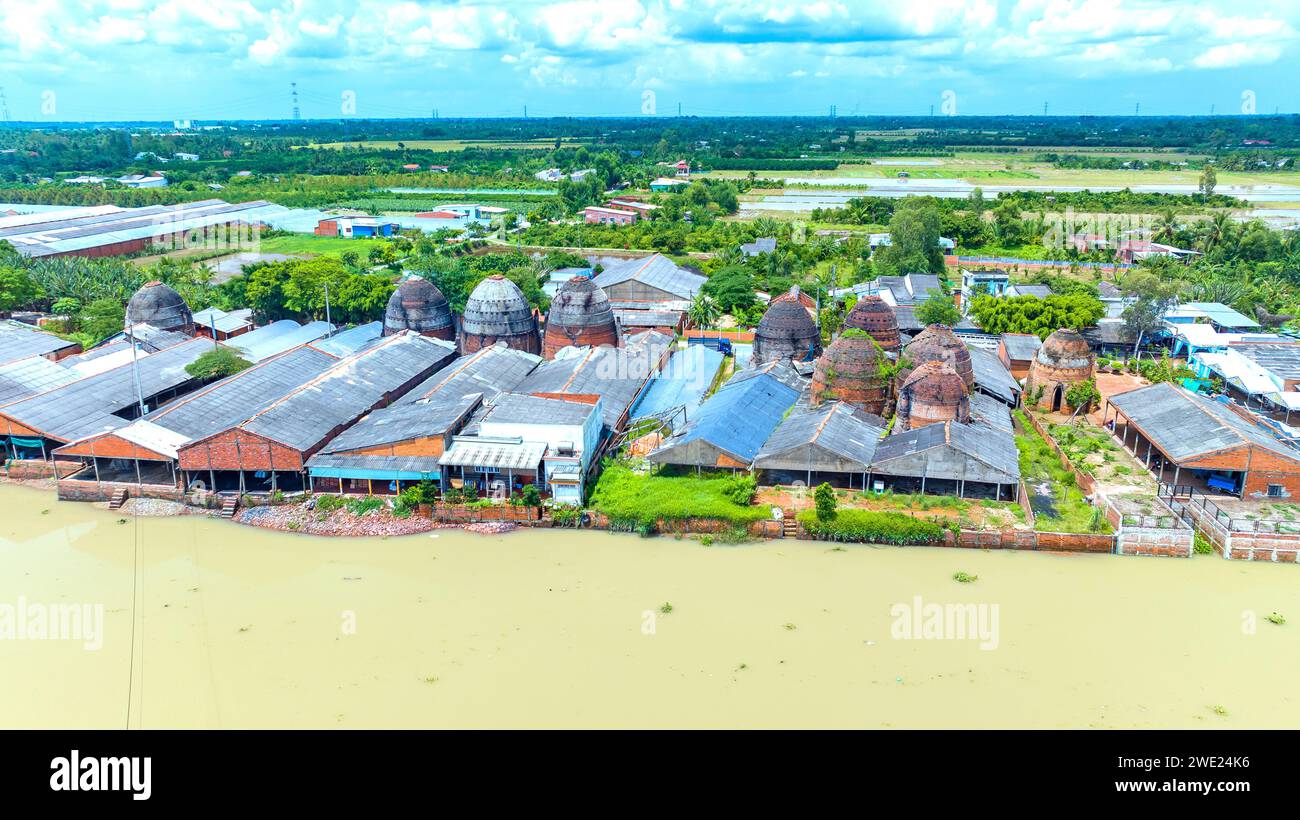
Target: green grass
{"points": [[318, 245], [1038, 464], [871, 527], [635, 501]]}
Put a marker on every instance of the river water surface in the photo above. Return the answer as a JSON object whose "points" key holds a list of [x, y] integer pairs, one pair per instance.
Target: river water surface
{"points": [[239, 627]]}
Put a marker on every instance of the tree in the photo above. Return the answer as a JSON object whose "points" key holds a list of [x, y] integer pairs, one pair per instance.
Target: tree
{"points": [[732, 288], [17, 288], [913, 239], [703, 311], [102, 318], [824, 498], [1029, 314], [1083, 394], [217, 364], [1209, 179], [1155, 296], [938, 310]]}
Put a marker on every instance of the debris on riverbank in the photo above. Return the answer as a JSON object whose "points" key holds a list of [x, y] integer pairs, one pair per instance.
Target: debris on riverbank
{"points": [[491, 527], [342, 522], [151, 508]]}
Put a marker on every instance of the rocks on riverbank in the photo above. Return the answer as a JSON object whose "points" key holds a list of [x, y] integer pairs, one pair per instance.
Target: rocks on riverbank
{"points": [[342, 522], [491, 527]]}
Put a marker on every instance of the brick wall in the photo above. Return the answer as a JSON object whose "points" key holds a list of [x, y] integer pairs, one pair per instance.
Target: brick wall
{"points": [[1031, 540], [70, 490]]}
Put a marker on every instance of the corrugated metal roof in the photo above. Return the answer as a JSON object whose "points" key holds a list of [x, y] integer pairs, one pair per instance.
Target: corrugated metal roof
{"points": [[990, 411], [404, 468], [233, 399], [1186, 426], [821, 438], [66, 235], [306, 417], [1282, 360], [347, 342], [223, 321], [520, 408], [1021, 347], [476, 451], [994, 449], [87, 406], [991, 376], [18, 341], [490, 371], [683, 382], [1218, 313], [277, 337], [27, 377], [656, 271], [737, 419], [617, 375], [402, 422]]}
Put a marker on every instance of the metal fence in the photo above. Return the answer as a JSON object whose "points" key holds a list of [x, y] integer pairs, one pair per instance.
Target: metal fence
{"points": [[1170, 493]]}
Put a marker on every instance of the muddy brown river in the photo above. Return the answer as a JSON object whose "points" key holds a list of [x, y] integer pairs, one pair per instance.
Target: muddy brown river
{"points": [[239, 627]]}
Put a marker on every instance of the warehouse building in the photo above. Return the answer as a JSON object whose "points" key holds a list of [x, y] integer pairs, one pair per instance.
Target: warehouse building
{"points": [[33, 427], [834, 443], [19, 341], [144, 453], [524, 439], [1186, 439], [392, 447], [268, 450], [654, 278], [731, 426], [948, 458], [110, 232], [618, 376]]}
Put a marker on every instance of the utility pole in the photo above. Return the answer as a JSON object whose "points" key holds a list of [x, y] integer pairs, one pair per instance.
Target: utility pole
{"points": [[135, 370], [327, 303]]}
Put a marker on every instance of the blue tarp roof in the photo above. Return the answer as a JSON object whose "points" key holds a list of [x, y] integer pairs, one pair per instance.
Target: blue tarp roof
{"points": [[737, 419], [684, 381]]}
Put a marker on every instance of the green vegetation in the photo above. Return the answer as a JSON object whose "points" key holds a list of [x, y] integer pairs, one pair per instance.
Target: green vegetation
{"points": [[1040, 464], [217, 364], [824, 498], [329, 503], [1083, 394], [635, 501], [963, 578], [871, 527], [1042, 317], [1276, 618], [938, 309], [1201, 545], [362, 506]]}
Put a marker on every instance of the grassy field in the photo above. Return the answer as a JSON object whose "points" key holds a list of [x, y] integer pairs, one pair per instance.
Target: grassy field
{"points": [[317, 245], [437, 145], [1039, 465]]}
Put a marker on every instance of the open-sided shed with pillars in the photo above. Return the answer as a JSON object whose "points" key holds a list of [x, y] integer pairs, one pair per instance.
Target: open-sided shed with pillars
{"points": [[1187, 439]]}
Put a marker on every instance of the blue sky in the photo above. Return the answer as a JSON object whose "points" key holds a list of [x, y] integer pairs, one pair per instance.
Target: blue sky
{"points": [[208, 59]]}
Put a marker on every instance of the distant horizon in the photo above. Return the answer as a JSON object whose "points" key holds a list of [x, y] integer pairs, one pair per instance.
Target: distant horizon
{"points": [[196, 124], [107, 61]]}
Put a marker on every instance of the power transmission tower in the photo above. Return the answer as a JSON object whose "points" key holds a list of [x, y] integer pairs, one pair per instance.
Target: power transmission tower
{"points": [[1137, 109], [4, 105], [293, 94], [679, 109], [1044, 109]]}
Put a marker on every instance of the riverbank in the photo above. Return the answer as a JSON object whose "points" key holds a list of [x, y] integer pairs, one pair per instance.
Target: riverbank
{"points": [[247, 627]]}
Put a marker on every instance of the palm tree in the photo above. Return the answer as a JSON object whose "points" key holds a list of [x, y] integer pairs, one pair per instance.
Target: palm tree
{"points": [[1166, 227], [704, 311]]}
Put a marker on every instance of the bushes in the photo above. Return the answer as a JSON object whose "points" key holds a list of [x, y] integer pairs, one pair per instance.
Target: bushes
{"points": [[824, 497], [217, 364], [634, 502], [740, 489], [868, 526], [329, 503]]}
